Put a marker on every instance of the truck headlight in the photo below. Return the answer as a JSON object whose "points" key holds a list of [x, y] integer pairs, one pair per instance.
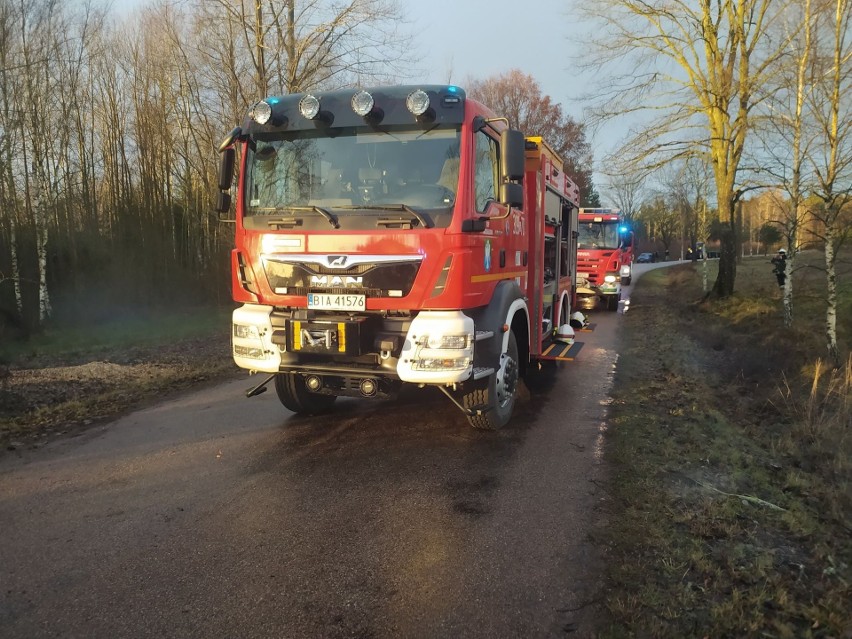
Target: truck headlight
{"points": [[446, 341], [625, 270], [438, 348], [244, 331], [609, 279]]}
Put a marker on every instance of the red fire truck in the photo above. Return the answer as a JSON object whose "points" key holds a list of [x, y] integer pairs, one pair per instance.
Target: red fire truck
{"points": [[397, 235], [604, 255]]}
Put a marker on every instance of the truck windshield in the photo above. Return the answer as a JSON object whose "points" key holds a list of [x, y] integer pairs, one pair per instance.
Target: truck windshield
{"points": [[598, 235], [354, 169]]}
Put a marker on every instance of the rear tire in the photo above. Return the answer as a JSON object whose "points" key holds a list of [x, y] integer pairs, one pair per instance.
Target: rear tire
{"points": [[497, 393], [296, 397]]}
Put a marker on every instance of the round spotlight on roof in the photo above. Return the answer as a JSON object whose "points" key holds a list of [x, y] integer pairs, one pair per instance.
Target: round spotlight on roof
{"points": [[309, 106], [261, 112], [362, 103], [417, 102]]}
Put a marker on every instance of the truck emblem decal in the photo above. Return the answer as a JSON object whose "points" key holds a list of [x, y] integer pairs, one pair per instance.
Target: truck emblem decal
{"points": [[337, 261], [487, 260], [337, 280]]}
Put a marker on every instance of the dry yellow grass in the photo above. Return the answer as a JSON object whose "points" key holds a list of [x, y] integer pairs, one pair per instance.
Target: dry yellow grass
{"points": [[732, 510]]}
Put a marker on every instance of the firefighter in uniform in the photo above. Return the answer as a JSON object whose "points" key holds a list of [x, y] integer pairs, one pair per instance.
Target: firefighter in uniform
{"points": [[780, 267]]}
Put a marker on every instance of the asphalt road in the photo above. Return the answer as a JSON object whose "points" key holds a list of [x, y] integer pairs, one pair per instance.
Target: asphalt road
{"points": [[212, 515]]}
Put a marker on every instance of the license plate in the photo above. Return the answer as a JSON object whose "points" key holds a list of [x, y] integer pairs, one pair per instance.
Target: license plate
{"points": [[331, 302]]}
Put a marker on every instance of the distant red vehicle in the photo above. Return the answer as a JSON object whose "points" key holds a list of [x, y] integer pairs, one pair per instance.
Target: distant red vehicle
{"points": [[604, 255]]}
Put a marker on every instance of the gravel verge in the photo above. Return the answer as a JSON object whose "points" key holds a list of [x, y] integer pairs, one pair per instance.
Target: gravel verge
{"points": [[48, 397]]}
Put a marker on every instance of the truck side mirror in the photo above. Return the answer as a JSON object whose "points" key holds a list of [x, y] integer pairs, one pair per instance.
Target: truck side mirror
{"points": [[223, 204], [512, 155], [226, 168], [512, 194], [473, 225]]}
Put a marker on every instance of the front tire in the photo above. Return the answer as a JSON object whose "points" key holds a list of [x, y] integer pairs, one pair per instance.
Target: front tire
{"points": [[296, 397], [496, 394]]}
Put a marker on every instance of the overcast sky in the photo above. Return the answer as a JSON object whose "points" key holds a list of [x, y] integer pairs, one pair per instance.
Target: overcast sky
{"points": [[481, 38]]}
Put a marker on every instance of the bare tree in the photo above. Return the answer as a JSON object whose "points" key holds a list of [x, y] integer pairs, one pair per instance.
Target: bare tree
{"points": [[699, 67], [626, 192], [786, 135], [662, 220], [831, 156], [297, 46], [9, 127], [38, 26]]}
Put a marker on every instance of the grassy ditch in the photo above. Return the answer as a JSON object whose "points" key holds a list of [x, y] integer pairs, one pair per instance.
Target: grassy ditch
{"points": [[66, 379], [730, 444]]}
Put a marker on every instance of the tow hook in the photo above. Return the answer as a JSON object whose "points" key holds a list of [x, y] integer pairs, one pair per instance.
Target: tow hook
{"points": [[254, 391]]}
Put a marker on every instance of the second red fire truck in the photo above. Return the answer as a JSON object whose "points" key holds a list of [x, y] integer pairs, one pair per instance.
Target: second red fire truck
{"points": [[604, 255], [397, 235]]}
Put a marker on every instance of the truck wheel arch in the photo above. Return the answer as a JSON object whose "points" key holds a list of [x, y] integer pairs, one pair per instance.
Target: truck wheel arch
{"points": [[508, 307]]}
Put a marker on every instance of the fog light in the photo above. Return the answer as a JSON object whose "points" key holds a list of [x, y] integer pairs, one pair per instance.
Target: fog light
{"points": [[368, 387], [249, 352], [313, 383], [309, 107], [261, 112], [441, 364], [417, 102], [362, 103]]}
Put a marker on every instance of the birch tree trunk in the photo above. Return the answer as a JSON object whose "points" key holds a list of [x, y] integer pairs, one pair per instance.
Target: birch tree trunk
{"points": [[831, 297], [832, 161], [16, 270]]}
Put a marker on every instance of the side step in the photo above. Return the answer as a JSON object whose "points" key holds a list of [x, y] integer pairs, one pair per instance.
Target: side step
{"points": [[557, 351]]}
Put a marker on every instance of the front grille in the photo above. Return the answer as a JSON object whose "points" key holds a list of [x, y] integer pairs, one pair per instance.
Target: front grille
{"points": [[375, 279], [369, 292]]}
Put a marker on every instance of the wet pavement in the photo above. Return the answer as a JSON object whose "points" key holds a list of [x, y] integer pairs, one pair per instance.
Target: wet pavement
{"points": [[213, 515]]}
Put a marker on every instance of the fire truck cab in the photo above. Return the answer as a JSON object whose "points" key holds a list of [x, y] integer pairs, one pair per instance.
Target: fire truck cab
{"points": [[396, 235]]}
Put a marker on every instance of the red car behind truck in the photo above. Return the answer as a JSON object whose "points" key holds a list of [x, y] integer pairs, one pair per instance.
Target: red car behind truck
{"points": [[604, 255], [397, 235]]}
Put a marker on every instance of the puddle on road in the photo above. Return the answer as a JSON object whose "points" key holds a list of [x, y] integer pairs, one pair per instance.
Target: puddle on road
{"points": [[605, 403]]}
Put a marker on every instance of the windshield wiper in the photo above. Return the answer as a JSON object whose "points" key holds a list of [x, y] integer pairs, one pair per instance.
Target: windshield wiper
{"points": [[328, 215], [420, 217], [331, 217]]}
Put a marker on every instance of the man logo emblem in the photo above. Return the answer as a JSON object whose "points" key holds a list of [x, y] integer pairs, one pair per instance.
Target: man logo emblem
{"points": [[337, 261]]}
